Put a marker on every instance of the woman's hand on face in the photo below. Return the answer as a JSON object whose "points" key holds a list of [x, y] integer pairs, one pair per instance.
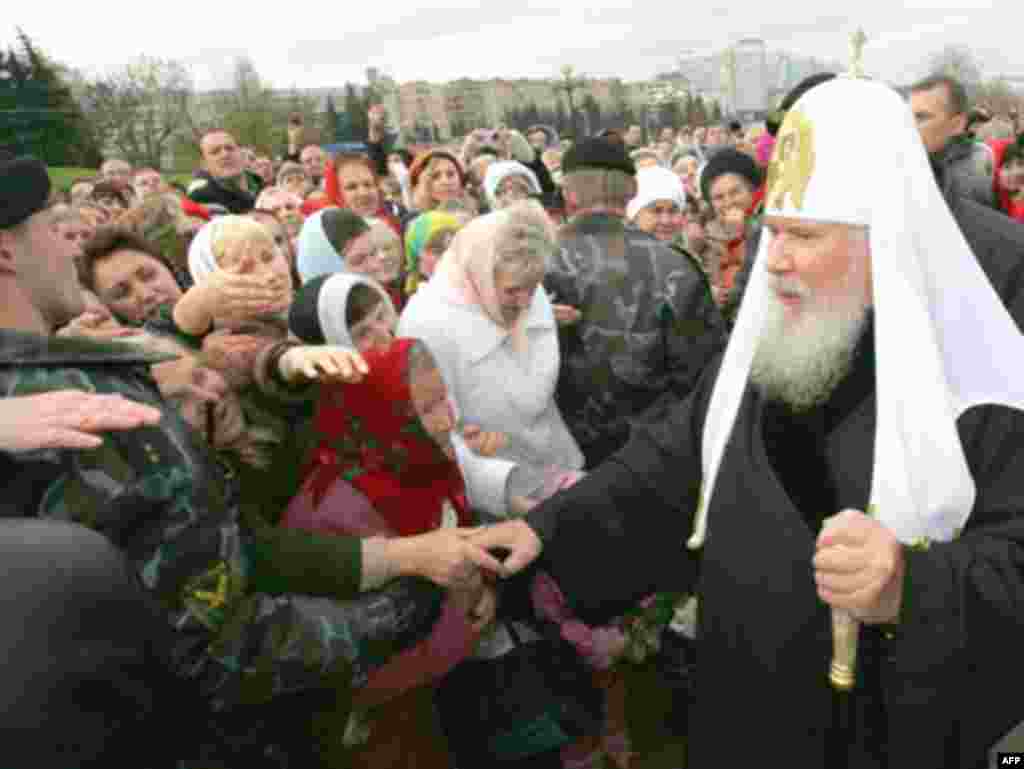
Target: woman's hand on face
{"points": [[329, 364], [239, 294], [68, 419], [486, 444]]}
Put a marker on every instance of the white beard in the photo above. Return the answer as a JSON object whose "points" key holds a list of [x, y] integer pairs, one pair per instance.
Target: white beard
{"points": [[800, 362]]}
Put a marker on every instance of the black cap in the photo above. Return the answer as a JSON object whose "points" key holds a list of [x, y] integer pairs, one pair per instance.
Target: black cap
{"points": [[774, 122], [729, 161], [24, 189], [598, 153]]}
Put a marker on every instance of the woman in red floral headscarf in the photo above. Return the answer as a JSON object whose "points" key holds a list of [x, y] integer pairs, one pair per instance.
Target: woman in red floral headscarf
{"points": [[389, 438], [374, 435]]}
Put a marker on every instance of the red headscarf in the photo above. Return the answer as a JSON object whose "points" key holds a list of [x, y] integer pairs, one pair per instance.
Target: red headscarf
{"points": [[333, 196], [371, 437]]}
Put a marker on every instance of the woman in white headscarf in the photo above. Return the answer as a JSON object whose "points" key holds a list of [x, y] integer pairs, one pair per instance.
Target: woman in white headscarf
{"points": [[491, 326], [509, 182], [658, 206]]}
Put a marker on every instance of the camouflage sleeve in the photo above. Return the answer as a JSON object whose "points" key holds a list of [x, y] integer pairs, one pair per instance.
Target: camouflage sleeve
{"points": [[233, 594], [694, 331]]}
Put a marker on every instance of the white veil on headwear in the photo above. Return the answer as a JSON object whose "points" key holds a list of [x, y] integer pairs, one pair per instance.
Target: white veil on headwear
{"points": [[936, 316]]}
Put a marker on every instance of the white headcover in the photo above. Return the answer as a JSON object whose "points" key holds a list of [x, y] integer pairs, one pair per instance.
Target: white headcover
{"points": [[936, 316], [654, 184], [201, 261], [500, 170], [332, 303]]}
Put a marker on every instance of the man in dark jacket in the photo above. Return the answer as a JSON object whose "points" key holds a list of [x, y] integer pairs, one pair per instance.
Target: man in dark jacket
{"points": [[223, 182], [963, 166], [649, 324]]}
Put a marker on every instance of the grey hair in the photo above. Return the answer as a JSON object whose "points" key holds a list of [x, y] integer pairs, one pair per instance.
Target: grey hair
{"points": [[525, 240]]}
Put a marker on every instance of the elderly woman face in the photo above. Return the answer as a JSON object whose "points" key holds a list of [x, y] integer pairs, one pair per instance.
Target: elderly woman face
{"points": [[662, 219], [511, 190], [443, 178], [359, 188], [376, 329], [363, 255], [257, 256], [389, 254], [429, 397], [515, 287]]}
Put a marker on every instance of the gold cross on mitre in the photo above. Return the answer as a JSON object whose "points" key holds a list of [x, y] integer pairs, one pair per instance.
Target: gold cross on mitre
{"points": [[857, 42]]}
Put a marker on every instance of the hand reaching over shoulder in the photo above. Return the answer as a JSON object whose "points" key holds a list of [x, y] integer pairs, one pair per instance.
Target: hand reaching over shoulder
{"points": [[323, 363], [68, 419]]}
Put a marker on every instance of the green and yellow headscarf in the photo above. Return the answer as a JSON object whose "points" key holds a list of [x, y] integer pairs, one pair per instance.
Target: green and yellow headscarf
{"points": [[421, 231]]}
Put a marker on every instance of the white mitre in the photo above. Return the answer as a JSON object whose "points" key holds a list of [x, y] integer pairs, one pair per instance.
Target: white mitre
{"points": [[849, 152]]}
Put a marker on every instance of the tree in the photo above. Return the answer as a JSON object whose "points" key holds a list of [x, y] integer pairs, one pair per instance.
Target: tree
{"points": [[138, 111], [958, 62], [356, 122], [40, 114], [716, 112]]}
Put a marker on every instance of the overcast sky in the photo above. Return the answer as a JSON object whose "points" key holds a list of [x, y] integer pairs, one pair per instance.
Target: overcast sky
{"points": [[324, 44]]}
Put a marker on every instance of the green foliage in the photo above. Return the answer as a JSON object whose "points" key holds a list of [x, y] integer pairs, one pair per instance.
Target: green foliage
{"points": [[40, 114]]}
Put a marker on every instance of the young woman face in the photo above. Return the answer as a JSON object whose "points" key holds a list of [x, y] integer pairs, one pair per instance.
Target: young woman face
{"points": [[443, 178]]}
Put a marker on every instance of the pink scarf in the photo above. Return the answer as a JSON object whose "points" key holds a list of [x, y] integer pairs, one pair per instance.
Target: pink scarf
{"points": [[465, 274]]}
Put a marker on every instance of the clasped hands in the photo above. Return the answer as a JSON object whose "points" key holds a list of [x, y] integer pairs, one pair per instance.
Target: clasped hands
{"points": [[858, 562]]}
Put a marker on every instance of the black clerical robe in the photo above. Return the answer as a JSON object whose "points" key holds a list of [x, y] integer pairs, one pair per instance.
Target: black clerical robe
{"points": [[935, 690]]}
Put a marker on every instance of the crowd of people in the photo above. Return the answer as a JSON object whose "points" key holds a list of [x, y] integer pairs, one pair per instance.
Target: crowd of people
{"points": [[393, 459]]}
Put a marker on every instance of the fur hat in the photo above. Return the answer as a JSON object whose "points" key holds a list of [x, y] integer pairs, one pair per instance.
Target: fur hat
{"points": [[598, 153], [729, 161]]}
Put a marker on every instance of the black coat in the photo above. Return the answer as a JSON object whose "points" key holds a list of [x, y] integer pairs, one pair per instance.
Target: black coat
{"points": [[208, 191], [934, 692]]}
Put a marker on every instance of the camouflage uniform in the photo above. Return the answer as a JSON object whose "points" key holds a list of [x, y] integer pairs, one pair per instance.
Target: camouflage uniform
{"points": [[244, 638], [649, 326]]}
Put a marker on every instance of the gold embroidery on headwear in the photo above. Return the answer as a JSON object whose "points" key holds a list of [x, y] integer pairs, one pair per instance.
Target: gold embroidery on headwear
{"points": [[792, 163]]}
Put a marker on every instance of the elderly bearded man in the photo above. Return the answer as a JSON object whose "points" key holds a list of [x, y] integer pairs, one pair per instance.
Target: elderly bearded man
{"points": [[855, 453]]}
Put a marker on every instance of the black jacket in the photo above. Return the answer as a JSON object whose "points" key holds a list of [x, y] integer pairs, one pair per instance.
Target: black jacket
{"points": [[209, 191]]}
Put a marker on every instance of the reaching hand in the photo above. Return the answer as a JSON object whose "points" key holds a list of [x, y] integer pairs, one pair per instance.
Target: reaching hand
{"points": [[325, 363], [67, 419], [517, 537], [858, 567], [238, 296], [486, 444], [446, 557], [566, 315], [97, 323]]}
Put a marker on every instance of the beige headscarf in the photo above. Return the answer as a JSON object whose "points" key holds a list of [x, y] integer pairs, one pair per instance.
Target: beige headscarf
{"points": [[465, 273]]}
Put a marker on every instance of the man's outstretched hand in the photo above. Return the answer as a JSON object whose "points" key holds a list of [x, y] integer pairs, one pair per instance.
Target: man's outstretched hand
{"points": [[517, 537]]}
